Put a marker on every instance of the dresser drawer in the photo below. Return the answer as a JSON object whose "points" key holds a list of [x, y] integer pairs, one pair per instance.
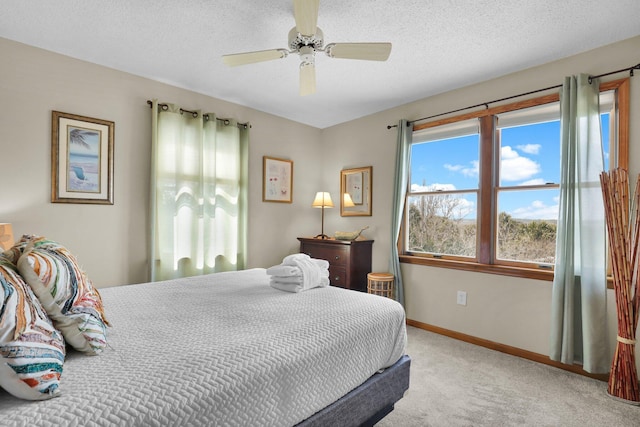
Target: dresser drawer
{"points": [[335, 255], [338, 276]]}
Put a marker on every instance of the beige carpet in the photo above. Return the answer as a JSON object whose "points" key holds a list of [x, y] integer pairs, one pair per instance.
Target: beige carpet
{"points": [[454, 383]]}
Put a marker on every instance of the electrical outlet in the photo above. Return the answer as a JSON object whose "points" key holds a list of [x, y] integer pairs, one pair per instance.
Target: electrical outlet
{"points": [[462, 298]]}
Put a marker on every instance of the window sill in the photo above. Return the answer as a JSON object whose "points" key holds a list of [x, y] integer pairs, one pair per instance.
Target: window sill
{"points": [[503, 270]]}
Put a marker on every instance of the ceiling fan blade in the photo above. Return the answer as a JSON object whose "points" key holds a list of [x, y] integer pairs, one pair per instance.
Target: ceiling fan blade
{"points": [[235, 59], [307, 79], [366, 51], [306, 14]]}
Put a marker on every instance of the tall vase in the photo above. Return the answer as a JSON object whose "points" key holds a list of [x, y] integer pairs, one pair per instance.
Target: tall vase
{"points": [[623, 225]]}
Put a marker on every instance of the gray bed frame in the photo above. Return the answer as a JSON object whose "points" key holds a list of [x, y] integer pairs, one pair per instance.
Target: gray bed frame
{"points": [[368, 403]]}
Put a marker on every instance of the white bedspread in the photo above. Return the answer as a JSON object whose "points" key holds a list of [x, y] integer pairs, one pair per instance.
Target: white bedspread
{"points": [[225, 349]]}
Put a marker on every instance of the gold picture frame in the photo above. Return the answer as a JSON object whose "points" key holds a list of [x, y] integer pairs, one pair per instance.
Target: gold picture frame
{"points": [[81, 159], [277, 180], [355, 191]]}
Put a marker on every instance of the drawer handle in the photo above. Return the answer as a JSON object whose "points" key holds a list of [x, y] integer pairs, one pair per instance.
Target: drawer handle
{"points": [[336, 279], [337, 257]]}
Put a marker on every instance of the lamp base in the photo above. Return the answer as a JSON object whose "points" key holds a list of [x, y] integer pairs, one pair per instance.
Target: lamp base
{"points": [[322, 236]]}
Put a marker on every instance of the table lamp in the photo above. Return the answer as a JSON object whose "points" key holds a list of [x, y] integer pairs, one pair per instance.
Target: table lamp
{"points": [[322, 200], [6, 236]]}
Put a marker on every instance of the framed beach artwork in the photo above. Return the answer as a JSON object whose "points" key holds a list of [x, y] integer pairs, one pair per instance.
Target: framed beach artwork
{"points": [[81, 159], [277, 180]]}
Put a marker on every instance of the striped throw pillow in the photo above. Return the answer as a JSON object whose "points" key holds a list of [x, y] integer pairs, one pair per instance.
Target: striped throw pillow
{"points": [[31, 350], [71, 301]]}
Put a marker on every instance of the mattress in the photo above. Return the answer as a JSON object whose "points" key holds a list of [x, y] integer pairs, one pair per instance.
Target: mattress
{"points": [[223, 349]]}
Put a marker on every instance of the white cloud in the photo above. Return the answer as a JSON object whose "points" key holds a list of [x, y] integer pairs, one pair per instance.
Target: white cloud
{"points": [[534, 181], [466, 171], [473, 170], [536, 210], [530, 148], [453, 168], [507, 152], [515, 167], [461, 207], [464, 208], [415, 188]]}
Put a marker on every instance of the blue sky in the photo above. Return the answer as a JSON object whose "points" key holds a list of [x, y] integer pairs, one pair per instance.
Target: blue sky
{"points": [[530, 155]]}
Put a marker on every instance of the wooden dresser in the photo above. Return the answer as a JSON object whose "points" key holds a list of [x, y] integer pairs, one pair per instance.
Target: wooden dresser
{"points": [[349, 260]]}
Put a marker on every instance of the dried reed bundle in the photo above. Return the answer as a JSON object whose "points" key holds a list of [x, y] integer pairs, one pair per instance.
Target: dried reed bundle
{"points": [[623, 224]]}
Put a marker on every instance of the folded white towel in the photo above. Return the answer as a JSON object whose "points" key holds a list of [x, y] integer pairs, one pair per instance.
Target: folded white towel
{"points": [[296, 287], [324, 274], [314, 273], [293, 259], [286, 279], [284, 270], [322, 263], [310, 270]]}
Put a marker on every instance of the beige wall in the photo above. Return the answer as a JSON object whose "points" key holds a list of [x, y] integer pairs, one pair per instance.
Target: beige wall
{"points": [[503, 309], [110, 240]]}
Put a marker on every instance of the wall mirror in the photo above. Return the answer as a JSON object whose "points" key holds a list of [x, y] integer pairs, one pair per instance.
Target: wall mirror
{"points": [[355, 191]]}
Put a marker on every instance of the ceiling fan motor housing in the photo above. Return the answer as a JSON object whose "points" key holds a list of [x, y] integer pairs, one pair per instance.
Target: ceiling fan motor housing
{"points": [[298, 41]]}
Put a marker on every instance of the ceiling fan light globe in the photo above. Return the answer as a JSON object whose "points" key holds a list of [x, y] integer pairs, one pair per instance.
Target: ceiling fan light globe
{"points": [[307, 56]]}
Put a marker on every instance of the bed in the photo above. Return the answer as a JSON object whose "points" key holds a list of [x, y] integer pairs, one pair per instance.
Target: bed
{"points": [[228, 349]]}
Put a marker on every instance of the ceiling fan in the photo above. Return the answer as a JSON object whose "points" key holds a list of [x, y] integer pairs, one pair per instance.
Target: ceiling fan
{"points": [[306, 39]]}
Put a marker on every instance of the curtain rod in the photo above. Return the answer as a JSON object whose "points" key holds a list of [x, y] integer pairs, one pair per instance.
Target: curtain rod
{"points": [[486, 104], [195, 114]]}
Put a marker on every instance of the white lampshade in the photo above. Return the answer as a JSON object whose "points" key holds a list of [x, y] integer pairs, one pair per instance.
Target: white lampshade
{"points": [[347, 201], [6, 236], [322, 200]]}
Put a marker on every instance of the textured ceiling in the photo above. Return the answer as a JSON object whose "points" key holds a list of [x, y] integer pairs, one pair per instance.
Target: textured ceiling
{"points": [[438, 45]]}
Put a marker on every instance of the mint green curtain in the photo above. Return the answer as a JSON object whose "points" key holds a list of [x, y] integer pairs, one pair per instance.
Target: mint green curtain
{"points": [[401, 179], [578, 305], [199, 176]]}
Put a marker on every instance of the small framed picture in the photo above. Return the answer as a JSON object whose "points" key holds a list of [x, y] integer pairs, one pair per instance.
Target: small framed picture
{"points": [[81, 159], [277, 180]]}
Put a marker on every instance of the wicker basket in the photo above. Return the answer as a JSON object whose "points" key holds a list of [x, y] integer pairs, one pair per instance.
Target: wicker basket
{"points": [[380, 284]]}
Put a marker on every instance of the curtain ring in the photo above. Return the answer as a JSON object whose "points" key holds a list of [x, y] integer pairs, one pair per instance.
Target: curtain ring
{"points": [[165, 107], [226, 121]]}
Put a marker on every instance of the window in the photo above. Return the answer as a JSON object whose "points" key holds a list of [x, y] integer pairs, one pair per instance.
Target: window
{"points": [[483, 188], [443, 195], [528, 176]]}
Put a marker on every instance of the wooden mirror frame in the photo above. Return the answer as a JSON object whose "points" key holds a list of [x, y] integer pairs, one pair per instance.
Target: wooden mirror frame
{"points": [[358, 182]]}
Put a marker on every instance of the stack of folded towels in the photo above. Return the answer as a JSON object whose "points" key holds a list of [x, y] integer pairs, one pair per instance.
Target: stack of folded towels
{"points": [[299, 272]]}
